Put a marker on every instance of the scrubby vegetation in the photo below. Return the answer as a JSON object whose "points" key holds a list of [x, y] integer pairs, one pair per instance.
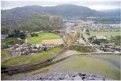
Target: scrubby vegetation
{"points": [[81, 48], [70, 37], [116, 40]]}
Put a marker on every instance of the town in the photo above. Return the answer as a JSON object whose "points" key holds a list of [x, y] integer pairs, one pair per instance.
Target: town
{"points": [[71, 28]]}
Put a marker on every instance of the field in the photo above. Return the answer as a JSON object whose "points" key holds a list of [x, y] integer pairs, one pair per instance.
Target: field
{"points": [[105, 33], [43, 36], [29, 59], [86, 64], [82, 63]]}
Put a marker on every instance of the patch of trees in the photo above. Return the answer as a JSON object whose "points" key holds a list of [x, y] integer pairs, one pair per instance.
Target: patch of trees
{"points": [[45, 23], [35, 25], [14, 37], [29, 22], [34, 35], [17, 34], [99, 41]]}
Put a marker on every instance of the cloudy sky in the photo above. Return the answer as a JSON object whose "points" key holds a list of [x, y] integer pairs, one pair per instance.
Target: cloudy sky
{"points": [[93, 4]]}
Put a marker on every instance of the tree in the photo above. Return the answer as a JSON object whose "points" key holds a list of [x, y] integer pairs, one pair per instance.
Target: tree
{"points": [[17, 34], [22, 35], [45, 48], [99, 41]]}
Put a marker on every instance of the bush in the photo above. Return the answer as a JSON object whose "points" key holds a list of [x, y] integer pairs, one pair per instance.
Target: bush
{"points": [[34, 35], [99, 41]]}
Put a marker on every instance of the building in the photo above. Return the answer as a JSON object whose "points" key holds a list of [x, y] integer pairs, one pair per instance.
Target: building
{"points": [[99, 37]]}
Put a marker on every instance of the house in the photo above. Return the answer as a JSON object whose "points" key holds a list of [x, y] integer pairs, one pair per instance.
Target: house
{"points": [[99, 37], [52, 42]]}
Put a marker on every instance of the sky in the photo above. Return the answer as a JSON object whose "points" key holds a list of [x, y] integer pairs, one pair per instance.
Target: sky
{"points": [[93, 4]]}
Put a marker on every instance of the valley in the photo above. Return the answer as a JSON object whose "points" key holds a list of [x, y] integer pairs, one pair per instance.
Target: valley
{"points": [[64, 42]]}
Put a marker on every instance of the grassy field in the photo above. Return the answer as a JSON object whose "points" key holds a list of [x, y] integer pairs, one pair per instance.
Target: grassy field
{"points": [[105, 33], [83, 64], [29, 59], [43, 36]]}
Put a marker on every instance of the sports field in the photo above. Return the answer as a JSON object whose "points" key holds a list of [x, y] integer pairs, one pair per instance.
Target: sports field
{"points": [[43, 36]]}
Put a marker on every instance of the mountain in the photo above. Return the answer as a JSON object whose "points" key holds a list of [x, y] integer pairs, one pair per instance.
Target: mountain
{"points": [[62, 10], [31, 22], [66, 10], [14, 18], [71, 10], [111, 12]]}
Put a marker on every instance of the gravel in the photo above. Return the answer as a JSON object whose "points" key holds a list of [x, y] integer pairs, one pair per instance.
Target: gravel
{"points": [[65, 76]]}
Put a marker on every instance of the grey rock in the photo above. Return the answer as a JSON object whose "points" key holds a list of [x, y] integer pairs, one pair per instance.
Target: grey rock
{"points": [[77, 78], [65, 76]]}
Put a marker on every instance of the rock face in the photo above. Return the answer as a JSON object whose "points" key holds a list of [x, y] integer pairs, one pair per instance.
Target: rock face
{"points": [[66, 76]]}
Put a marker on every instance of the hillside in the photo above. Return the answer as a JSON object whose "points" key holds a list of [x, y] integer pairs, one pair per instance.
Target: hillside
{"points": [[41, 22], [111, 12], [63, 10], [27, 16], [31, 17], [30, 22]]}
